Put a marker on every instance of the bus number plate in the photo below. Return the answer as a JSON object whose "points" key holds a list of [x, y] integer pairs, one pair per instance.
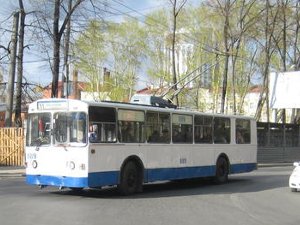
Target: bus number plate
{"points": [[31, 156]]}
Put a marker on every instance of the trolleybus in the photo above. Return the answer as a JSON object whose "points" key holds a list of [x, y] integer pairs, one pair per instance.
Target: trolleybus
{"points": [[77, 144]]}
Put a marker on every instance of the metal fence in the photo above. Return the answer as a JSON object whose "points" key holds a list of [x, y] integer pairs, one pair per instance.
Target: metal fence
{"points": [[12, 146], [278, 142]]}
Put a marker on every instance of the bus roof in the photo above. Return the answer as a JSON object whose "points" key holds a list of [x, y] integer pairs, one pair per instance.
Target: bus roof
{"points": [[124, 105]]}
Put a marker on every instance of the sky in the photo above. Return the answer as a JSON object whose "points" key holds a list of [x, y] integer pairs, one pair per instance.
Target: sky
{"points": [[37, 69]]}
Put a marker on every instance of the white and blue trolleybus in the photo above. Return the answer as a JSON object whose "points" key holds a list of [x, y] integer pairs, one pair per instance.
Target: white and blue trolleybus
{"points": [[77, 144]]}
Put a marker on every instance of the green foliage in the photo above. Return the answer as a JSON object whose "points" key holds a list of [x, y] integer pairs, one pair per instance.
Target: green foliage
{"points": [[103, 43], [127, 46], [91, 54]]}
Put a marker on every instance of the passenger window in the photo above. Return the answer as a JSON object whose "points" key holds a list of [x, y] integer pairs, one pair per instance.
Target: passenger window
{"points": [[203, 129], [102, 124], [242, 131], [182, 128], [131, 126], [158, 127], [221, 130]]}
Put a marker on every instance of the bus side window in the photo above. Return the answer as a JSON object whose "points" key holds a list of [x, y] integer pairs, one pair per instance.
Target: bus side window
{"points": [[221, 130], [93, 133], [109, 132], [203, 129], [104, 120], [182, 128], [242, 131], [158, 127], [131, 126]]}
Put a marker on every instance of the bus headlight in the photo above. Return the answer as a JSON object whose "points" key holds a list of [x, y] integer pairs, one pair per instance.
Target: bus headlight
{"points": [[72, 165], [34, 164]]}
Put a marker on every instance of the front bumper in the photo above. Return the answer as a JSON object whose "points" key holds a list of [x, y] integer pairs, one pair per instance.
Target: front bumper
{"points": [[294, 181]]}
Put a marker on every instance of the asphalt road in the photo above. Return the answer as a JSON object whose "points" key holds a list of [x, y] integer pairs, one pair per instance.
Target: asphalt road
{"points": [[261, 197]]}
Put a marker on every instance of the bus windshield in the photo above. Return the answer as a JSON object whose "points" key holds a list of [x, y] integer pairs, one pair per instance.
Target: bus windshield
{"points": [[67, 128], [38, 129], [70, 127]]}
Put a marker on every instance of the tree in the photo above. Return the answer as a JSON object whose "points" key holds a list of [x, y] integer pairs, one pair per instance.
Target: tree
{"points": [[57, 33], [91, 53], [156, 29], [270, 24], [295, 118], [18, 119], [13, 57], [66, 51], [127, 46], [120, 48], [176, 8]]}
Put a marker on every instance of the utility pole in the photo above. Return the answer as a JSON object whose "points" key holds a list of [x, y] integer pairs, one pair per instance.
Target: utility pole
{"points": [[18, 111], [12, 70]]}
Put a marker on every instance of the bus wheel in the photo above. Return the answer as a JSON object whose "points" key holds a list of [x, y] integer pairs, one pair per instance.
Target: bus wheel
{"points": [[222, 170], [293, 189], [130, 179]]}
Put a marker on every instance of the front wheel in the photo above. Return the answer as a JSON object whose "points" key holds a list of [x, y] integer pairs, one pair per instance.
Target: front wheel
{"points": [[293, 189], [130, 180], [222, 171]]}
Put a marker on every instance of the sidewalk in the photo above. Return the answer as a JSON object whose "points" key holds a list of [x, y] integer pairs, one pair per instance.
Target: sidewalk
{"points": [[12, 171]]}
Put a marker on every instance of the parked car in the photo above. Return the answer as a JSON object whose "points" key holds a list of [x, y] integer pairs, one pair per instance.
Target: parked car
{"points": [[294, 181]]}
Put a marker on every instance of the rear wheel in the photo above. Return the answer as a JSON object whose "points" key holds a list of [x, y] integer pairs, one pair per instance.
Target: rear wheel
{"points": [[130, 182], [222, 171]]}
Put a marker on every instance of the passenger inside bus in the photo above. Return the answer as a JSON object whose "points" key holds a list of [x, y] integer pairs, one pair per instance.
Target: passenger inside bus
{"points": [[165, 138], [127, 132], [177, 136], [220, 135], [41, 127], [92, 133], [154, 137], [239, 138]]}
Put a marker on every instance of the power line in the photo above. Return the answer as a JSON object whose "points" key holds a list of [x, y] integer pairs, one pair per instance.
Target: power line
{"points": [[209, 49]]}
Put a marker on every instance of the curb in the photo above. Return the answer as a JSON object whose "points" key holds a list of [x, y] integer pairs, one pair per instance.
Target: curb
{"points": [[261, 165], [7, 171], [12, 175]]}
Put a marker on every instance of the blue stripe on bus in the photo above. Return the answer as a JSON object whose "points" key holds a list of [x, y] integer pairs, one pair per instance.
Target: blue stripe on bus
{"points": [[180, 173], [98, 179]]}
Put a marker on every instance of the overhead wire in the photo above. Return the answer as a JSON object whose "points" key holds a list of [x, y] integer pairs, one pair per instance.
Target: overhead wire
{"points": [[208, 48], [189, 74]]}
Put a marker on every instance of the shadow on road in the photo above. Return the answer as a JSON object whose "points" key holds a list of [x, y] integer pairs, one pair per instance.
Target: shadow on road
{"points": [[236, 184]]}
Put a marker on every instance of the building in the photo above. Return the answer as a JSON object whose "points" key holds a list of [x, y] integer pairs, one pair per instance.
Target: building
{"points": [[70, 89]]}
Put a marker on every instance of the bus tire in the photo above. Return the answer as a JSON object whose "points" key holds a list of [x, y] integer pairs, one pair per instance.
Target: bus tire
{"points": [[293, 189], [222, 170], [130, 181]]}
